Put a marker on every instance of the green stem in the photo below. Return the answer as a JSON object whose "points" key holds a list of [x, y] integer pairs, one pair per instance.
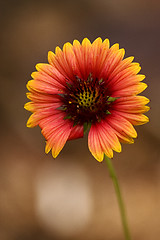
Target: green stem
{"points": [[119, 197]]}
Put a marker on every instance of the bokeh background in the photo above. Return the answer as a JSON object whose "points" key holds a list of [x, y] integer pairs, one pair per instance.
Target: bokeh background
{"points": [[72, 197]]}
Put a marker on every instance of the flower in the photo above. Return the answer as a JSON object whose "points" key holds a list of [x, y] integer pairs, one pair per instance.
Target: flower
{"points": [[88, 85]]}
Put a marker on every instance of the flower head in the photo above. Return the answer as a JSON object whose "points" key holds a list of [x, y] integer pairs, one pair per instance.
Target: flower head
{"points": [[87, 85]]}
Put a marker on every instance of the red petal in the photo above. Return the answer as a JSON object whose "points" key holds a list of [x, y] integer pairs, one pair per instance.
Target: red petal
{"points": [[135, 119], [41, 98], [39, 116], [133, 104], [83, 57], [111, 62], [76, 132], [49, 70], [131, 70], [56, 131], [61, 62], [94, 144], [108, 135], [41, 87], [121, 125]]}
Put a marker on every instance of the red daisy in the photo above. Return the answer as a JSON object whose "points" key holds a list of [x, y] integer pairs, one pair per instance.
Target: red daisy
{"points": [[87, 85]]}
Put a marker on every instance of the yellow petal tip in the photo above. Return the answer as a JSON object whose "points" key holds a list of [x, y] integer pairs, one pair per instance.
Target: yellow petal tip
{"points": [[29, 124], [47, 149], [86, 42], [26, 106]]}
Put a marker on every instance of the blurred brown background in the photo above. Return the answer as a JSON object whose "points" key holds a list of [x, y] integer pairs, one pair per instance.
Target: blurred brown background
{"points": [[72, 197]]}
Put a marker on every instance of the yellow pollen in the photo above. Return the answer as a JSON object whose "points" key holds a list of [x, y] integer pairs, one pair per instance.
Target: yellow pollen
{"points": [[87, 99]]}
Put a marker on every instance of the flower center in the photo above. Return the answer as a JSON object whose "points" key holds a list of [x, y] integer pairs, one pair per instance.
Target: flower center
{"points": [[86, 101]]}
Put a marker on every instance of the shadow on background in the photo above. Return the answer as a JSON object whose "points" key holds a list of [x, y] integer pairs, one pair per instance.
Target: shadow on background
{"points": [[72, 197]]}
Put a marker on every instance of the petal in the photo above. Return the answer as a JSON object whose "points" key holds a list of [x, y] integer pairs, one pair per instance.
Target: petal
{"points": [[59, 133], [49, 70], [94, 144], [57, 61], [57, 80], [130, 91], [131, 70], [111, 51], [134, 104], [125, 63], [101, 56], [70, 59], [135, 119], [47, 121], [109, 136], [63, 61], [41, 87], [98, 54], [33, 107], [76, 132], [60, 62], [56, 131], [111, 62], [128, 81], [104, 142], [133, 99], [114, 48], [121, 125], [106, 148], [40, 97], [51, 58], [32, 121], [77, 48], [83, 57], [87, 56], [123, 137], [40, 115]]}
